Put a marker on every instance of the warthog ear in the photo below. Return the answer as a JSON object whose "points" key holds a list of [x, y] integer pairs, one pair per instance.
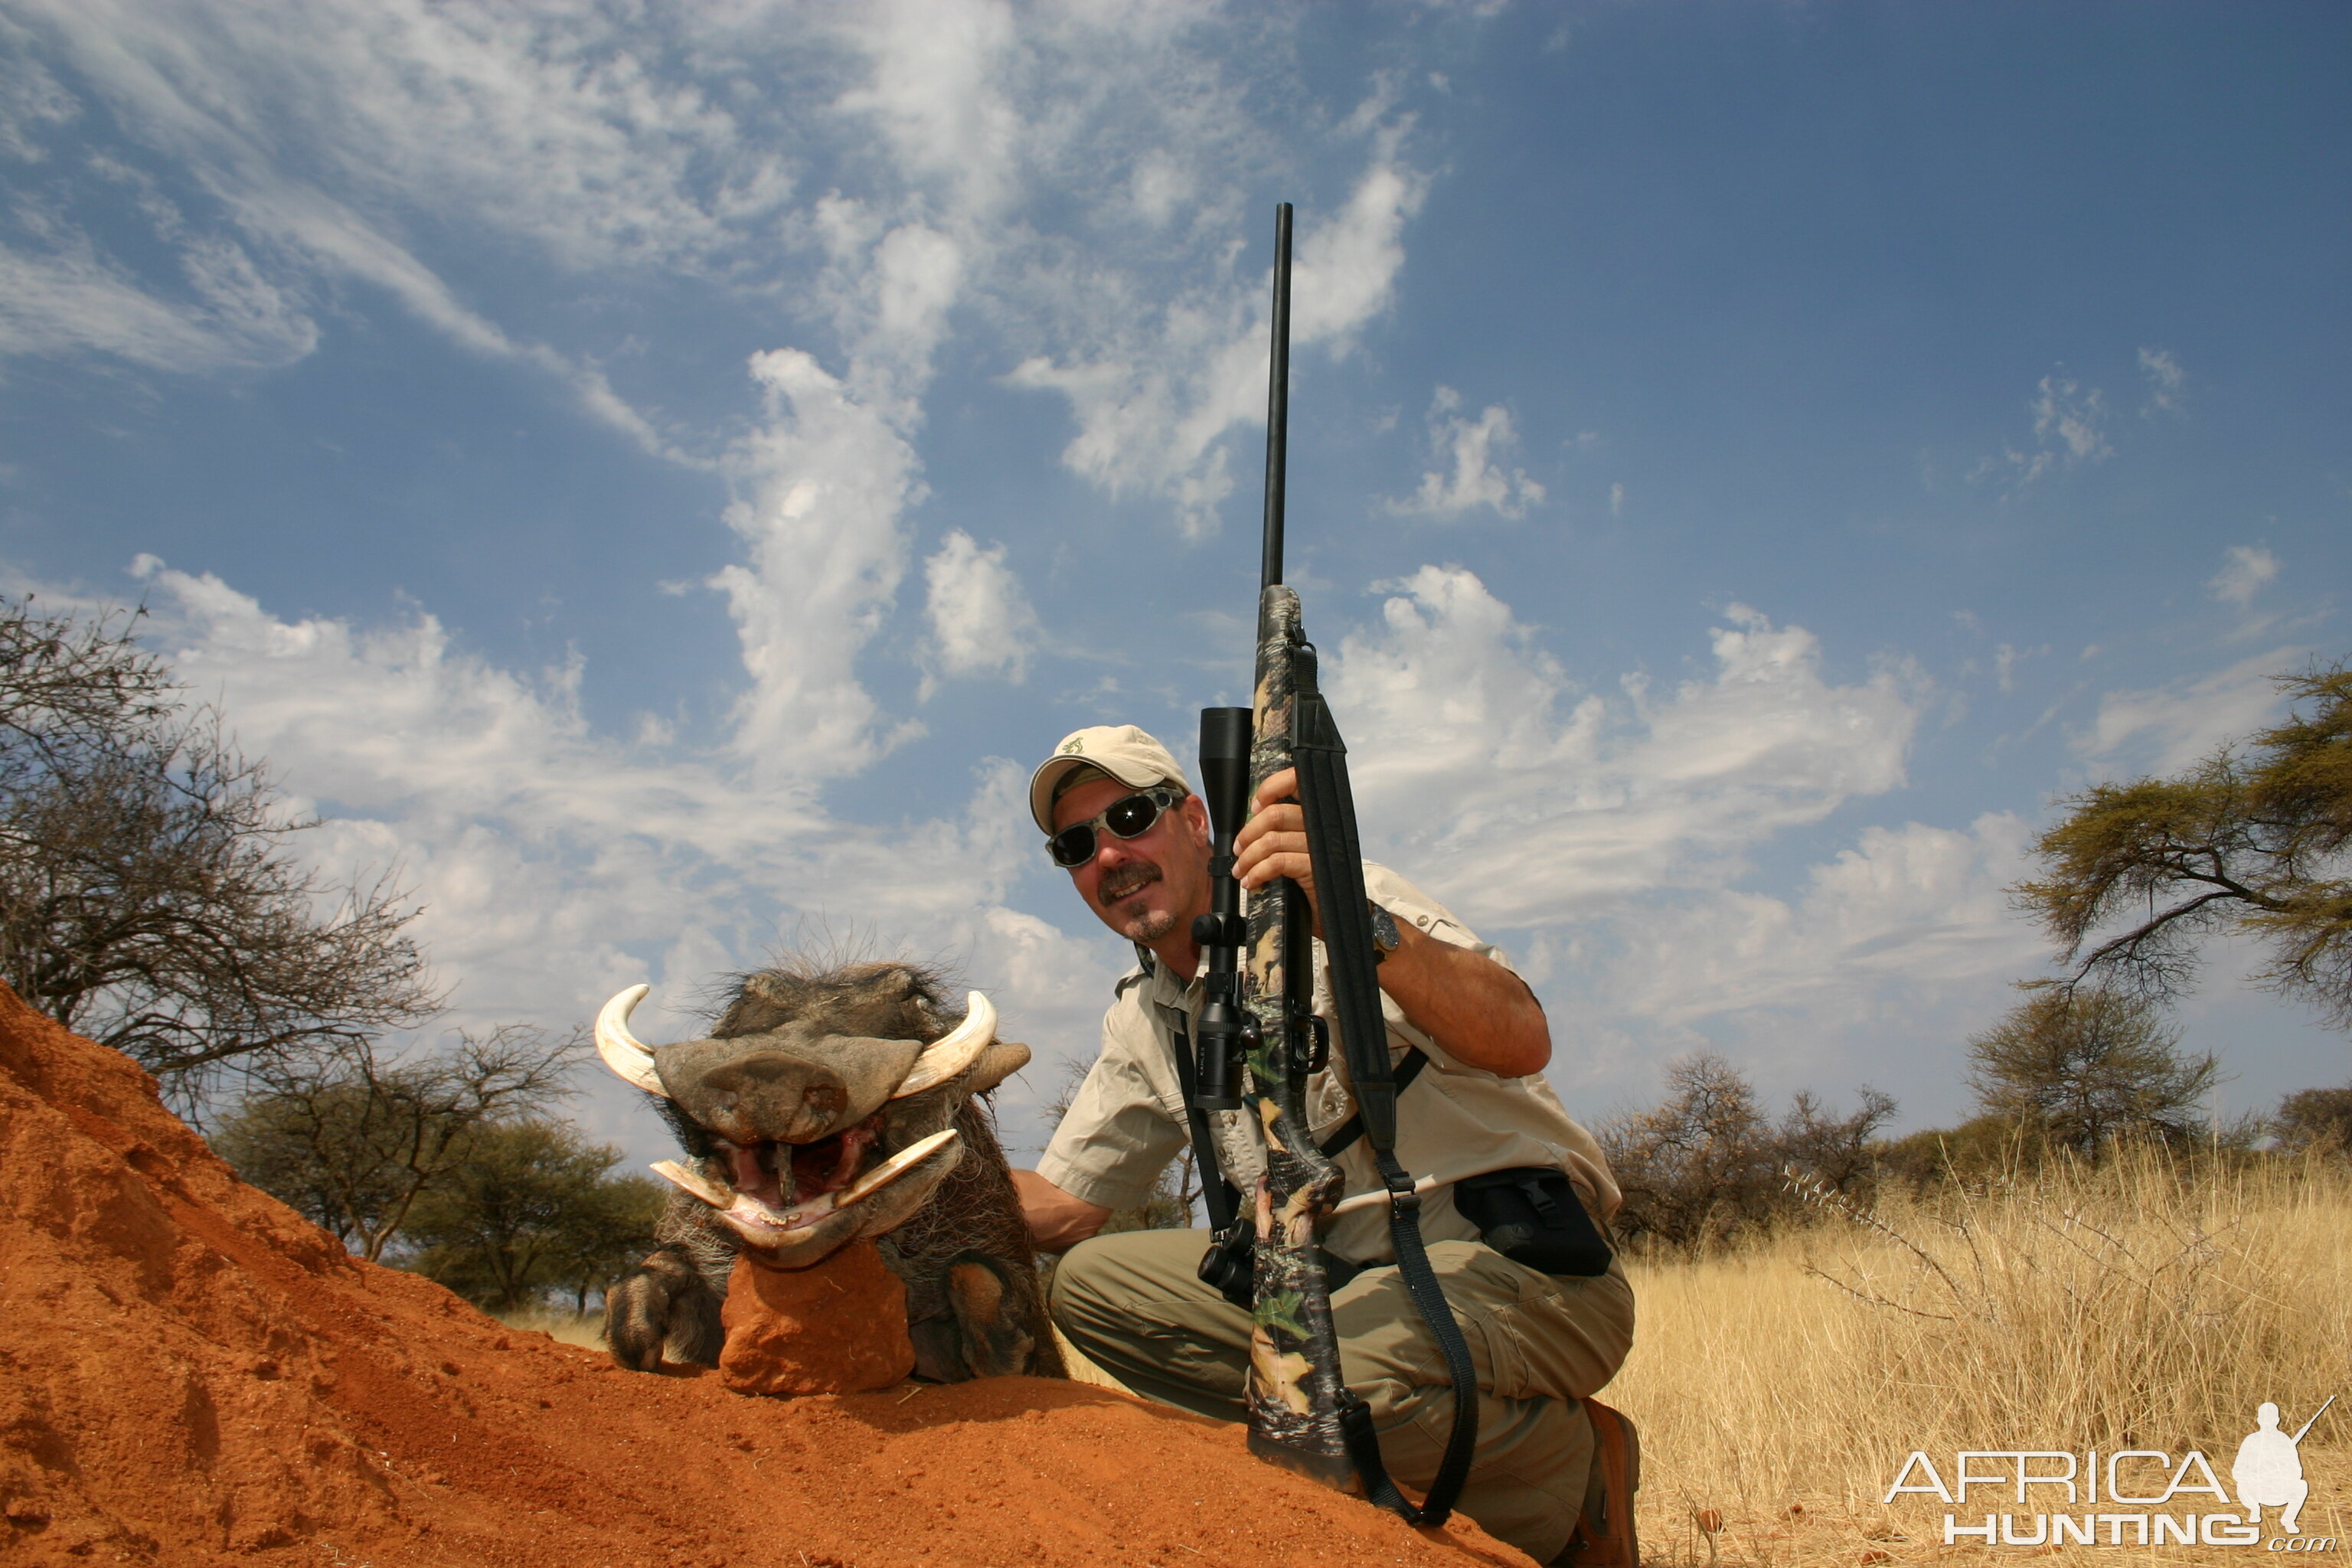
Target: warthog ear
{"points": [[996, 1064], [951, 1053], [621, 1050]]}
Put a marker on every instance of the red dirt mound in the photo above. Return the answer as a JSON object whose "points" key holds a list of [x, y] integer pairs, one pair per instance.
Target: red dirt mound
{"points": [[191, 1373]]}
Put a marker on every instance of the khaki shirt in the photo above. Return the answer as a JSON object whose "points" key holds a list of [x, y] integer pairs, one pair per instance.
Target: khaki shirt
{"points": [[1128, 1119]]}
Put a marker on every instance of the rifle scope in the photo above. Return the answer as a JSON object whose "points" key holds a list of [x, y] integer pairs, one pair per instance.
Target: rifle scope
{"points": [[1224, 789]]}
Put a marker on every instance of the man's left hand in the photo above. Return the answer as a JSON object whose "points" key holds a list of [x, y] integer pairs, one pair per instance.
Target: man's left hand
{"points": [[1273, 842]]}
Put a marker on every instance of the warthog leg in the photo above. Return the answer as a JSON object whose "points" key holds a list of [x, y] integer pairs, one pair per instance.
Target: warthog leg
{"points": [[664, 1304], [992, 1316]]}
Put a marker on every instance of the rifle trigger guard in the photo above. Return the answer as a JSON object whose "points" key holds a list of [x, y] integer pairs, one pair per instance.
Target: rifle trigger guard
{"points": [[1318, 1035]]}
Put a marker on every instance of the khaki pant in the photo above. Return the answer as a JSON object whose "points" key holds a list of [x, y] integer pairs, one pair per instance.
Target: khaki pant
{"points": [[1540, 1343]]}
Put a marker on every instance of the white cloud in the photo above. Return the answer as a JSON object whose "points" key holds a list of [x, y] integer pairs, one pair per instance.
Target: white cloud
{"points": [[2246, 570], [74, 300], [31, 101], [1606, 835], [1474, 477], [2165, 729], [2064, 410], [1478, 763], [1155, 384], [2068, 430], [550, 124], [546, 127], [981, 620], [341, 139], [1906, 910], [2168, 383], [829, 479], [2006, 657]]}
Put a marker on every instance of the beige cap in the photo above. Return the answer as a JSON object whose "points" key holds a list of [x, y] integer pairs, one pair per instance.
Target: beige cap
{"points": [[1122, 751]]}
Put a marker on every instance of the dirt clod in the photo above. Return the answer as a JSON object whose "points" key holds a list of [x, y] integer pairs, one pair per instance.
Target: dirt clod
{"points": [[839, 1327]]}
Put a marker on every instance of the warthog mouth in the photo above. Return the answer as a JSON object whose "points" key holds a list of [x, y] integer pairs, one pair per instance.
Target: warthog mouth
{"points": [[824, 1178]]}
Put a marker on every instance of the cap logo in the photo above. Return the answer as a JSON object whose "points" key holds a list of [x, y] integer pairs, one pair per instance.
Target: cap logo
{"points": [[1072, 747]]}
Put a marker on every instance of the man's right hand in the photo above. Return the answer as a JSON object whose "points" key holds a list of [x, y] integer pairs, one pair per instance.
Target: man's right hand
{"points": [[1057, 1222]]}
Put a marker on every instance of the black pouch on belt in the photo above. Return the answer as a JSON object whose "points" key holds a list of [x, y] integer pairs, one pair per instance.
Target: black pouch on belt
{"points": [[1532, 1215]]}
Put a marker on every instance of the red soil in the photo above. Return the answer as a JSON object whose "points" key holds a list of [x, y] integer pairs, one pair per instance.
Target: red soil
{"points": [[191, 1373]]}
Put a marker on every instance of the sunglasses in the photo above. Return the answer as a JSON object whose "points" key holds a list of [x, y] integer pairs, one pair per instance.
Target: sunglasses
{"points": [[1129, 818]]}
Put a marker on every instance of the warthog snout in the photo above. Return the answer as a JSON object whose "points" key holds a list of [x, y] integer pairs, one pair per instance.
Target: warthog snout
{"points": [[771, 1095]]}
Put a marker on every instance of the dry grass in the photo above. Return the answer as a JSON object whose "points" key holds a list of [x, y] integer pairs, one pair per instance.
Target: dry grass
{"points": [[2141, 1306]]}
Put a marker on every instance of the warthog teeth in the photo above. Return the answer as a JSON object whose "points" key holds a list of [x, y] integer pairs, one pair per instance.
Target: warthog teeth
{"points": [[951, 1053], [897, 1165]]}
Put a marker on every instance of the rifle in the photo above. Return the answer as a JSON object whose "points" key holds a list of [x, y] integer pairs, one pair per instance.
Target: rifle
{"points": [[1259, 1010]]}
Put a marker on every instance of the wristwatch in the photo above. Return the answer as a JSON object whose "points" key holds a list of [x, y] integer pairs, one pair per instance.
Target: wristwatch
{"points": [[1386, 939]]}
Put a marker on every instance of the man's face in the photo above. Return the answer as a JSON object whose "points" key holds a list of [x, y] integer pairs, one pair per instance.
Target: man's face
{"points": [[1143, 888]]}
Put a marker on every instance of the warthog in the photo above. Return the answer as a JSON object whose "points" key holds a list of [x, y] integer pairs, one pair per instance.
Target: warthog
{"points": [[831, 1105]]}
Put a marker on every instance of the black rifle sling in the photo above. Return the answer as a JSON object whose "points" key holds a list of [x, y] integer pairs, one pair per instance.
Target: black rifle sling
{"points": [[1332, 847], [1217, 1193]]}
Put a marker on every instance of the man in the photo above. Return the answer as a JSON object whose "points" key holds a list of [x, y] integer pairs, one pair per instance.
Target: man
{"points": [[1121, 818]]}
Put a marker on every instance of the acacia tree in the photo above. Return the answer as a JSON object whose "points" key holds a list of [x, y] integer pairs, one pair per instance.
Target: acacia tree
{"points": [[2081, 1066], [150, 897], [1707, 1161], [2251, 840], [534, 1208], [2315, 1119], [353, 1143]]}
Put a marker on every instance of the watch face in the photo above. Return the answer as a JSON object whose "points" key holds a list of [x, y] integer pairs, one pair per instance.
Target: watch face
{"points": [[1384, 931]]}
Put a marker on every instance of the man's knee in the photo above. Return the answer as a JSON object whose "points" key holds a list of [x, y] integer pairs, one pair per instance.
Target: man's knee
{"points": [[1077, 1296], [1100, 1280]]}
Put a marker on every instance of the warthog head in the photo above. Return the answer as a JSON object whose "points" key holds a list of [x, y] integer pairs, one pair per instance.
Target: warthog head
{"points": [[816, 1115]]}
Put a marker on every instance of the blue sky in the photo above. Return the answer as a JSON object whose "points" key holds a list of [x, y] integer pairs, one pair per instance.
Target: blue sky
{"points": [[660, 475]]}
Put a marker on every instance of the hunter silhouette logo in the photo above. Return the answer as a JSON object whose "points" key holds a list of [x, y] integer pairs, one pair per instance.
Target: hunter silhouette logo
{"points": [[2159, 1499], [2268, 1470]]}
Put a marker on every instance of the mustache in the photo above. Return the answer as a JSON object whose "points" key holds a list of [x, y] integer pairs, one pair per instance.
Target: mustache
{"points": [[1127, 882]]}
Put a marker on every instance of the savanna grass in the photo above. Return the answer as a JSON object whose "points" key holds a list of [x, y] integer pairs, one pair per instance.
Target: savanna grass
{"points": [[2150, 1303]]}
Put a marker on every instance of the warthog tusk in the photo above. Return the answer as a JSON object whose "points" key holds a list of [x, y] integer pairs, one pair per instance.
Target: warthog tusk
{"points": [[694, 1181], [951, 1053], [897, 1164], [621, 1049]]}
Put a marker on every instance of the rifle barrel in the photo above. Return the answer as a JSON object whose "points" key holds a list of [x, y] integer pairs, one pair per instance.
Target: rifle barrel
{"points": [[1278, 402], [2314, 1420]]}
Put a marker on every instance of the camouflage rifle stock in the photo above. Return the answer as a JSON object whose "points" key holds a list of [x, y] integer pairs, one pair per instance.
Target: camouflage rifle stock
{"points": [[1259, 1007], [1295, 1388]]}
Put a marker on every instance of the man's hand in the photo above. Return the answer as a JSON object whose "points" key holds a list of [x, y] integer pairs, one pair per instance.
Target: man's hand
{"points": [[1057, 1222], [1483, 1015], [1273, 842]]}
